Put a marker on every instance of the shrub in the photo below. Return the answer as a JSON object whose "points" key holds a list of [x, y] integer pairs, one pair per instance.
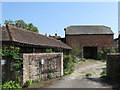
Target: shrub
{"points": [[28, 82], [68, 64], [102, 60], [11, 85], [75, 60], [83, 59], [88, 75], [77, 50], [113, 51], [50, 76], [36, 81], [66, 72], [100, 54], [103, 53], [104, 73], [49, 51], [12, 55]]}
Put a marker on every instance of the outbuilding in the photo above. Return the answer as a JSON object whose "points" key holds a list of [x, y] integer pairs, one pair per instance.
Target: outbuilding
{"points": [[30, 42], [89, 39]]}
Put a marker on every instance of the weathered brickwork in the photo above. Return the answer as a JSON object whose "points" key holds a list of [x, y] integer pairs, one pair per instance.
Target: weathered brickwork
{"points": [[99, 41], [33, 69], [90, 40], [113, 67]]}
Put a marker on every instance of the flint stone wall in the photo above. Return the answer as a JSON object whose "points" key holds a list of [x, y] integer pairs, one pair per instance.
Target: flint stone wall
{"points": [[33, 69]]}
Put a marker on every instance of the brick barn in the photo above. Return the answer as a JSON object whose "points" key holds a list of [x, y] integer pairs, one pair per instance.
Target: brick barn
{"points": [[90, 39]]}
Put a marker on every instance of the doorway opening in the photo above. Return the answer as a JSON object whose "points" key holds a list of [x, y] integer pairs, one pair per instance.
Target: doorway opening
{"points": [[90, 52]]}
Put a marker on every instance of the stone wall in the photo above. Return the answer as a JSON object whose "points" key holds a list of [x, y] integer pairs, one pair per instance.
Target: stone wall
{"points": [[113, 67], [33, 69]]}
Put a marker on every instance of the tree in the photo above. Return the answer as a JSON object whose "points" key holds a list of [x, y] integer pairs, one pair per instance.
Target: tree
{"points": [[22, 24], [77, 49]]}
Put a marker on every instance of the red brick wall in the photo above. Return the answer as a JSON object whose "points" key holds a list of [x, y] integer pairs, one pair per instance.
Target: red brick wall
{"points": [[100, 41]]}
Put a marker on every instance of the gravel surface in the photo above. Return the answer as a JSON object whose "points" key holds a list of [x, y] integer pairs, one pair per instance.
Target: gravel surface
{"points": [[78, 79]]}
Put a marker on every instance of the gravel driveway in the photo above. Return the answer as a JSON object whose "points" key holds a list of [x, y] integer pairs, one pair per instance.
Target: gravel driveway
{"points": [[78, 80]]}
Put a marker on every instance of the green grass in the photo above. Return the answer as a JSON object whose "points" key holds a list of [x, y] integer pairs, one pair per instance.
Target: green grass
{"points": [[104, 73], [102, 60], [88, 75]]}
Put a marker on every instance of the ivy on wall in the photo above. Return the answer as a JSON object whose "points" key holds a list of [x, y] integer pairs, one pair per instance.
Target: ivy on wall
{"points": [[14, 61]]}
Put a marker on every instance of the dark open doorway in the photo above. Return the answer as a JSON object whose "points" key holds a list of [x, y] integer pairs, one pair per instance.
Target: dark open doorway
{"points": [[90, 52]]}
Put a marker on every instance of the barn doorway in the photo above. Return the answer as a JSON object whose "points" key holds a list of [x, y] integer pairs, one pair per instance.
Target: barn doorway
{"points": [[90, 52]]}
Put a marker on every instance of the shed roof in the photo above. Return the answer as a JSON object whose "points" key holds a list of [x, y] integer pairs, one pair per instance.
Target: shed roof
{"points": [[89, 29], [12, 33]]}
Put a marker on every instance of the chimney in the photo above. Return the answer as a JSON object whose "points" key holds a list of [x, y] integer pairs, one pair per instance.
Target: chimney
{"points": [[55, 34], [46, 34]]}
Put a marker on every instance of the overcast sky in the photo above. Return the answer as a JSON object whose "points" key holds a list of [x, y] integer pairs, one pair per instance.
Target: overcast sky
{"points": [[51, 17]]}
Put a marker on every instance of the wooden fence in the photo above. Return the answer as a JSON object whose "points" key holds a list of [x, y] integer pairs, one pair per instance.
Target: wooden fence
{"points": [[113, 67]]}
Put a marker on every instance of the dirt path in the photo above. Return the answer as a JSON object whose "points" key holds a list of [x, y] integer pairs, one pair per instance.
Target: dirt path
{"points": [[78, 80]]}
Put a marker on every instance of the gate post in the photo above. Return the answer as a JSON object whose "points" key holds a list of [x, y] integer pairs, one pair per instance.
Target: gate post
{"points": [[61, 72]]}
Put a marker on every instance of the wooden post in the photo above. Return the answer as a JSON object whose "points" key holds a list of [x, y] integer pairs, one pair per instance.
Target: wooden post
{"points": [[0, 71], [61, 74]]}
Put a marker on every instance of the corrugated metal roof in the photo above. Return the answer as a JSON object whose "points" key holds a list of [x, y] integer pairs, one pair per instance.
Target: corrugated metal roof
{"points": [[27, 37], [73, 30]]}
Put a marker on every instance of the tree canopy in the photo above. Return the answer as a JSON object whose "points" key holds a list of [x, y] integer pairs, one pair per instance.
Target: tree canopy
{"points": [[22, 24]]}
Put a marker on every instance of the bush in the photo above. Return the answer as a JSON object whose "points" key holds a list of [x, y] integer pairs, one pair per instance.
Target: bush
{"points": [[102, 60], [103, 53], [68, 64], [77, 50], [50, 76], [28, 82], [113, 51], [88, 75], [83, 59], [11, 85], [66, 72], [35, 81], [100, 54], [75, 60], [49, 51], [104, 73]]}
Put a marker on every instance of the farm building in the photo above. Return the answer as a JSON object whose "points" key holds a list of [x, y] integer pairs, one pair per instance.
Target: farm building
{"points": [[89, 39], [58, 37], [30, 42], [34, 45]]}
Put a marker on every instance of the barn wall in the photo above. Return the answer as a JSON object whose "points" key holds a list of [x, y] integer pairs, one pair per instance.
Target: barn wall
{"points": [[90, 40], [100, 41]]}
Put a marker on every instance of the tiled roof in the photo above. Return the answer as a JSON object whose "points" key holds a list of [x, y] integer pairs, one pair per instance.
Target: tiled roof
{"points": [[27, 37], [89, 29], [56, 37]]}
